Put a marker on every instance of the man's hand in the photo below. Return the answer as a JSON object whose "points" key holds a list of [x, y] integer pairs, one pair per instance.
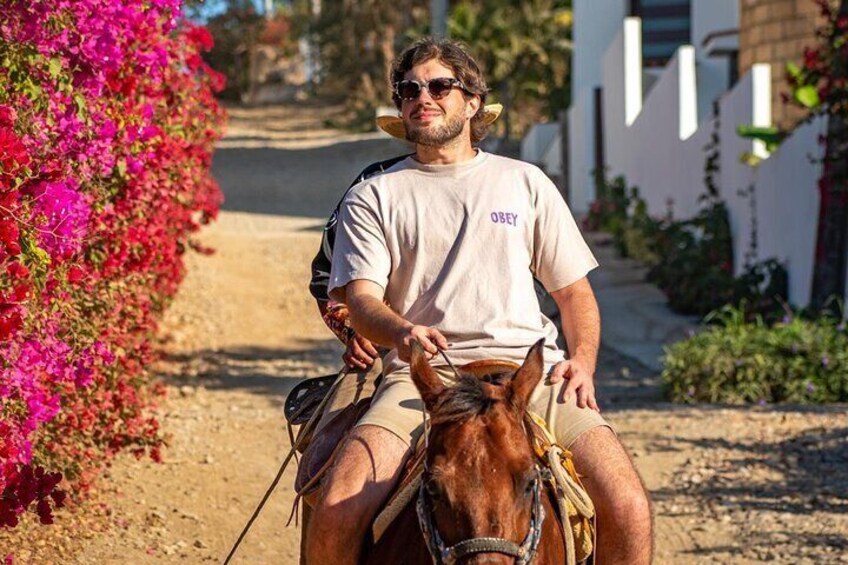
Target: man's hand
{"points": [[430, 339], [581, 381], [360, 353]]}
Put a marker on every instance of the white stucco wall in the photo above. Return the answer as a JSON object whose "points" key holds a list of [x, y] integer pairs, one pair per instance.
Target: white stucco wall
{"points": [[581, 151], [613, 84], [656, 136], [709, 16], [536, 142], [661, 155], [596, 23], [787, 205]]}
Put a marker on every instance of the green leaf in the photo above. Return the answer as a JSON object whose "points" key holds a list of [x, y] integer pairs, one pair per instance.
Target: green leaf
{"points": [[771, 136], [808, 96], [79, 100], [55, 67], [793, 70]]}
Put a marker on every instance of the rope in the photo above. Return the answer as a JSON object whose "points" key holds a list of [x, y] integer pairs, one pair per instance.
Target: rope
{"points": [[451, 365], [575, 495], [570, 487], [292, 453]]}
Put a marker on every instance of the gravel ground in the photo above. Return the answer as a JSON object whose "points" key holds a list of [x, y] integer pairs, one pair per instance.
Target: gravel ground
{"points": [[729, 485]]}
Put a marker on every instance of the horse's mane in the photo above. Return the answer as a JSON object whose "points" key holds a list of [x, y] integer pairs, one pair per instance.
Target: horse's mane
{"points": [[469, 397]]}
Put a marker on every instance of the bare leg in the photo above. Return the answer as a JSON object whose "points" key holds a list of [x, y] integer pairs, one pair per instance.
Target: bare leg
{"points": [[624, 513], [355, 489]]}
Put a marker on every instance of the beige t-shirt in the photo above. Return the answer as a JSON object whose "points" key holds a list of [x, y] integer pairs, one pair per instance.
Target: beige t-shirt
{"points": [[456, 247]]}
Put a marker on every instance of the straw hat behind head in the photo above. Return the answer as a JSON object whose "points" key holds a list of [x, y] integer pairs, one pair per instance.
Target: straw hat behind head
{"points": [[393, 125]]}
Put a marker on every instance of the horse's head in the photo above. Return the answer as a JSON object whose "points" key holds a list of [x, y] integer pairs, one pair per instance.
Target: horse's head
{"points": [[481, 480]]}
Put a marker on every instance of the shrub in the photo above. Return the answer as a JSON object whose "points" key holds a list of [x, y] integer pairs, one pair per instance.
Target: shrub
{"points": [[609, 210], [691, 261], [107, 122], [695, 268], [738, 361]]}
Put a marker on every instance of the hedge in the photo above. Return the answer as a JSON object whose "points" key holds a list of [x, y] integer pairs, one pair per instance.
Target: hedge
{"points": [[107, 125]]}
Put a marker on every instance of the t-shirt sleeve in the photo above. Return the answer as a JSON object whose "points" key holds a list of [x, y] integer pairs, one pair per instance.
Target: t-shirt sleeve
{"points": [[360, 250], [560, 254]]}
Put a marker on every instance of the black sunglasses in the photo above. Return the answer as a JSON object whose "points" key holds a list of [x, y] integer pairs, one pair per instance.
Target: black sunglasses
{"points": [[437, 87]]}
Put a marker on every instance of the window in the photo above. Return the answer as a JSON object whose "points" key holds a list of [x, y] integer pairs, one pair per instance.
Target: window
{"points": [[666, 25]]}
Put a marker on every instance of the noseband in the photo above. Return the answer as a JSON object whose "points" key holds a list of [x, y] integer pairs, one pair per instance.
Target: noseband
{"points": [[444, 555]]}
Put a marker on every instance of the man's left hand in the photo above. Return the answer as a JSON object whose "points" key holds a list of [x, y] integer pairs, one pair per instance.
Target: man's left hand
{"points": [[581, 381]]}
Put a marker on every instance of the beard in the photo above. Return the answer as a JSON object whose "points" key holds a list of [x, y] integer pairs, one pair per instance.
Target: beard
{"points": [[436, 135]]}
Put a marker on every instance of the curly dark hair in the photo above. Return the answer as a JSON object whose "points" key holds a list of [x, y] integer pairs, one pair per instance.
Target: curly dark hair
{"points": [[454, 55]]}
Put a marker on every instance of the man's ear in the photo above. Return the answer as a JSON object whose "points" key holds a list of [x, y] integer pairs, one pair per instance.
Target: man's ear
{"points": [[428, 383], [473, 106], [528, 375]]}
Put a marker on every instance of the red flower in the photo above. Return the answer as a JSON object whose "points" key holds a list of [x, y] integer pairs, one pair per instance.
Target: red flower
{"points": [[16, 270], [7, 116], [75, 274], [811, 59], [200, 37], [13, 153]]}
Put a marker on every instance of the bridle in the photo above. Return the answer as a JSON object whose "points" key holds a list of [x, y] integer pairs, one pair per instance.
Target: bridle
{"points": [[449, 555]]}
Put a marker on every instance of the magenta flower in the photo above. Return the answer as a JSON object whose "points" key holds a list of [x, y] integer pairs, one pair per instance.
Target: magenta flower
{"points": [[62, 213]]}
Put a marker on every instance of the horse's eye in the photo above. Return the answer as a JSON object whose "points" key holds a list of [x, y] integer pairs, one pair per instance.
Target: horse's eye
{"points": [[434, 490], [525, 484]]}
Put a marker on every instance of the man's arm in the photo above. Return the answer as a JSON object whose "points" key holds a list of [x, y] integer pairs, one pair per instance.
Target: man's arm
{"points": [[581, 325], [359, 352], [372, 318]]}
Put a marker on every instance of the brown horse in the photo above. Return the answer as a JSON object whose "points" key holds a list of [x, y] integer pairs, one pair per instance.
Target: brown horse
{"points": [[482, 499]]}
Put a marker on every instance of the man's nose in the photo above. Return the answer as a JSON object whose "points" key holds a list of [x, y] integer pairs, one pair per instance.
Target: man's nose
{"points": [[425, 96]]}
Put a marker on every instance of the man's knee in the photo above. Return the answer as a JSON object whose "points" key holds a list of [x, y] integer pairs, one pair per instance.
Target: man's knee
{"points": [[611, 478], [366, 468]]}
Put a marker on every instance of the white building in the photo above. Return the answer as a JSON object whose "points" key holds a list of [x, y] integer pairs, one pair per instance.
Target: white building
{"points": [[647, 75]]}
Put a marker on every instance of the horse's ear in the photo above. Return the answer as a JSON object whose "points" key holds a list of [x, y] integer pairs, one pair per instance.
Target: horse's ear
{"points": [[428, 383], [528, 375]]}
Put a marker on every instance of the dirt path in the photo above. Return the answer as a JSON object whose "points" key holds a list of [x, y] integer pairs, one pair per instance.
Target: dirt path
{"points": [[729, 485]]}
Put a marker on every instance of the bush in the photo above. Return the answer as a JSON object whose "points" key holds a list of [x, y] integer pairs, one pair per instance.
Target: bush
{"points": [[691, 261], [736, 361], [695, 268], [107, 123]]}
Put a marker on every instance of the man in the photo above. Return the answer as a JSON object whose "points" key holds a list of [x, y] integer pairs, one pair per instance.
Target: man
{"points": [[442, 249]]}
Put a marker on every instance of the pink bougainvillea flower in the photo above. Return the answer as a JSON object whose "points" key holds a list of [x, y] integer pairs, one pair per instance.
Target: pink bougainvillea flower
{"points": [[62, 213]]}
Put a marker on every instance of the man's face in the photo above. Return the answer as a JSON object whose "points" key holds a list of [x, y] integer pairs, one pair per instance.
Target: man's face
{"points": [[433, 122]]}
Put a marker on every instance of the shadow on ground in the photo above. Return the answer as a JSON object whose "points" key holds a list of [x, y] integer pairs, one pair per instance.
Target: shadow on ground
{"points": [[263, 371], [269, 180], [800, 474]]}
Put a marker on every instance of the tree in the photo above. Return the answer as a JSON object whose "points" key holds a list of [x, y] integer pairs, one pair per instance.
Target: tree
{"points": [[236, 30], [357, 41], [525, 51], [829, 272]]}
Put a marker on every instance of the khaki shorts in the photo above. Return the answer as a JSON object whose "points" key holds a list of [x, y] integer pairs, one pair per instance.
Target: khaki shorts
{"points": [[397, 407]]}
